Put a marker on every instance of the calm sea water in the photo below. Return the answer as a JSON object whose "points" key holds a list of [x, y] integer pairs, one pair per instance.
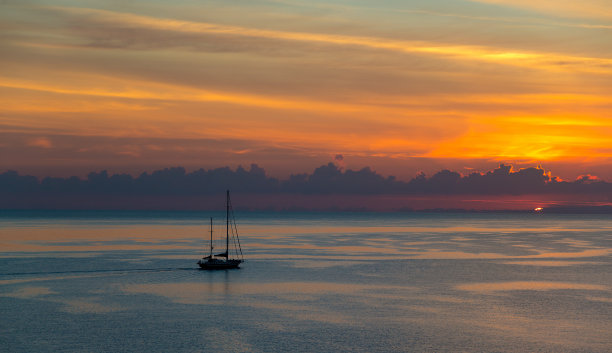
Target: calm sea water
{"points": [[360, 282]]}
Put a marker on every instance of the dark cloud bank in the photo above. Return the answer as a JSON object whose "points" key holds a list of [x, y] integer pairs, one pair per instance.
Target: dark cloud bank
{"points": [[174, 188]]}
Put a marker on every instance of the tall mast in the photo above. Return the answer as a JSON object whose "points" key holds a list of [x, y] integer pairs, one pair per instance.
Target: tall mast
{"points": [[227, 206], [211, 246]]}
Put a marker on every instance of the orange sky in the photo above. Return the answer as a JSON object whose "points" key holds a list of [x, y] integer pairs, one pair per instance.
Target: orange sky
{"points": [[398, 86]]}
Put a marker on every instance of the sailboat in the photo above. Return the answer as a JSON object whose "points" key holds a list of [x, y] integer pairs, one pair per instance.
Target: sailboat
{"points": [[223, 261]]}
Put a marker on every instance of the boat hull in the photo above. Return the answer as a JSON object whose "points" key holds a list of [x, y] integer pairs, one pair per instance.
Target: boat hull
{"points": [[216, 264]]}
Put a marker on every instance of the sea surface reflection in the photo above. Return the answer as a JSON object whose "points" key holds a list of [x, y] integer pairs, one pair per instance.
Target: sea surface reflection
{"points": [[348, 282]]}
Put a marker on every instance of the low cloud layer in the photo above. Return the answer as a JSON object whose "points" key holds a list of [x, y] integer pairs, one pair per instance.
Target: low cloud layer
{"points": [[326, 180]]}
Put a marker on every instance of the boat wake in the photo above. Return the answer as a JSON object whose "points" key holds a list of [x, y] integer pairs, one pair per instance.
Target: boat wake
{"points": [[128, 270]]}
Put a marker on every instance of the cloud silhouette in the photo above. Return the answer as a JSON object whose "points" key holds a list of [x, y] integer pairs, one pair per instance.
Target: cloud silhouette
{"points": [[328, 179]]}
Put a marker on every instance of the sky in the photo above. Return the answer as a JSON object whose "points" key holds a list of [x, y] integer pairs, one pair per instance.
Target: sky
{"points": [[402, 87]]}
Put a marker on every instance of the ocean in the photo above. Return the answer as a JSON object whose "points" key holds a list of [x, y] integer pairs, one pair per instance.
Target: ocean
{"points": [[312, 282]]}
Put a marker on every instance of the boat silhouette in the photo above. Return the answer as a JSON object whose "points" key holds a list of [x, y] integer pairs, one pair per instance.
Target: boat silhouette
{"points": [[223, 260]]}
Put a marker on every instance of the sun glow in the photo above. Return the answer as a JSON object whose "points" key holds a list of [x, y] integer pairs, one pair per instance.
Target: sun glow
{"points": [[302, 86]]}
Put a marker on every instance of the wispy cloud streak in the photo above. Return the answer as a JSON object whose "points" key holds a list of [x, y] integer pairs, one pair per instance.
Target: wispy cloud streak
{"points": [[546, 61]]}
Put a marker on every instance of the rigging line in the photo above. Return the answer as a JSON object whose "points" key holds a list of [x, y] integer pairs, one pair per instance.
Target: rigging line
{"points": [[237, 245], [235, 227], [234, 235], [234, 251], [230, 211], [230, 226], [234, 230]]}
